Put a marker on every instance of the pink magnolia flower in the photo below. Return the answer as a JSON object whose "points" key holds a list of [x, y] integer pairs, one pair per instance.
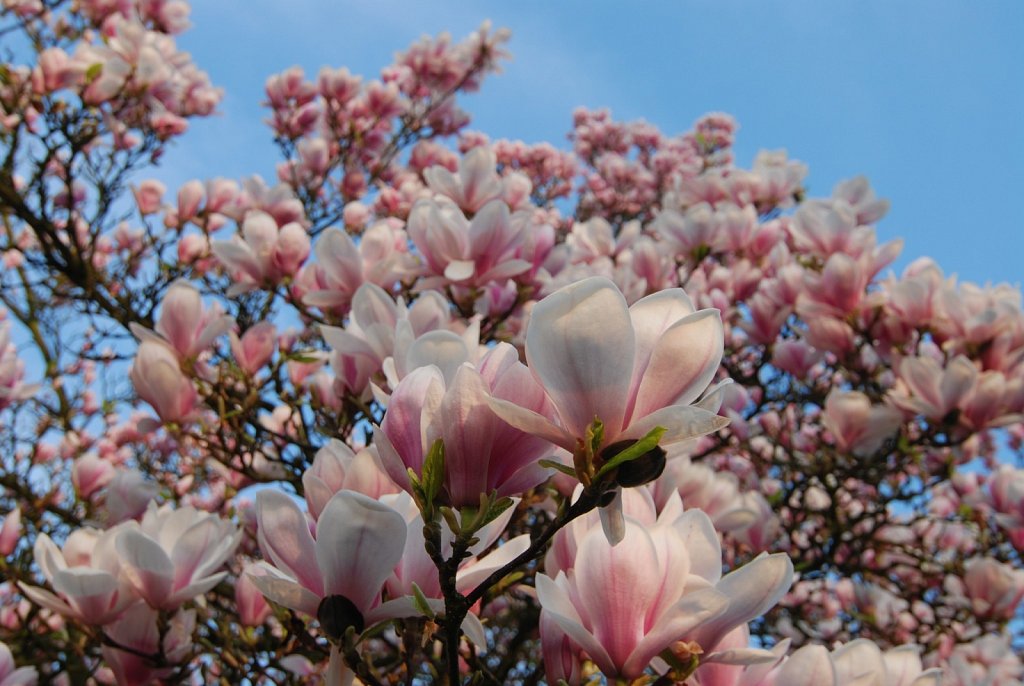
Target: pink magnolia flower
{"points": [[148, 196], [482, 453], [263, 254], [10, 531], [994, 589], [633, 368], [624, 604], [170, 556], [852, 664], [253, 608], [989, 660], [477, 182], [460, 251], [856, 424], [342, 571], [139, 632], [86, 576], [12, 369], [935, 391], [337, 467], [15, 676], [255, 348], [159, 381], [342, 267], [184, 324]]}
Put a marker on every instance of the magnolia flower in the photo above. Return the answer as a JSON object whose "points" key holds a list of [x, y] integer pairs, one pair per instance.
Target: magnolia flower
{"points": [[139, 632], [11, 676], [857, 663], [336, 467], [477, 183], [631, 368], [159, 381], [184, 324], [338, 576], [625, 604], [856, 425], [263, 254], [86, 576], [170, 556], [473, 252], [255, 348], [482, 453]]}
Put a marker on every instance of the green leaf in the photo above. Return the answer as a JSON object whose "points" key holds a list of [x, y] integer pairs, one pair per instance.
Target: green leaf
{"points": [[433, 472], [93, 72], [494, 511], [564, 468], [643, 446], [420, 601]]}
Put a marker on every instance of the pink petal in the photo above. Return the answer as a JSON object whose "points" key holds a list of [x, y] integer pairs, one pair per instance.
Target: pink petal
{"points": [[683, 363], [557, 605], [284, 538], [359, 542], [146, 566], [808, 666], [580, 346]]}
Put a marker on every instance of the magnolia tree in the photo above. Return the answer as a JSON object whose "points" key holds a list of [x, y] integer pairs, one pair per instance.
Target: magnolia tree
{"points": [[434, 408]]}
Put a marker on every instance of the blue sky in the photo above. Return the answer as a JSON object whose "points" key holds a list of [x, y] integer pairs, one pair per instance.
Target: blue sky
{"points": [[924, 97]]}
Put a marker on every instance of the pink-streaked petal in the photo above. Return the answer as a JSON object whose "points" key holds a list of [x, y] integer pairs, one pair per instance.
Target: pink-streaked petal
{"points": [[683, 363], [48, 556], [191, 549], [413, 405], [468, 426], [557, 606], [859, 661], [359, 542], [197, 588], [532, 423], [677, 623], [752, 590], [902, 665], [443, 349], [620, 583], [146, 566], [680, 422], [284, 538], [701, 542], [236, 255], [808, 666], [580, 346], [43, 598], [651, 317], [276, 586]]}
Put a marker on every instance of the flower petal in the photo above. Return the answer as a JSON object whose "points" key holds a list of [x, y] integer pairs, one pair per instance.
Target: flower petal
{"points": [[580, 345], [358, 543]]}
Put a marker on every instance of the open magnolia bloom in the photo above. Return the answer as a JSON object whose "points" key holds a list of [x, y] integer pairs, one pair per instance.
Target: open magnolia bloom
{"points": [[661, 588], [86, 575], [171, 556], [632, 368], [358, 543]]}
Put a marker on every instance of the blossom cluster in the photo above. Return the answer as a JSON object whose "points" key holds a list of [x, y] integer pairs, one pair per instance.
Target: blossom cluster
{"points": [[432, 407]]}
